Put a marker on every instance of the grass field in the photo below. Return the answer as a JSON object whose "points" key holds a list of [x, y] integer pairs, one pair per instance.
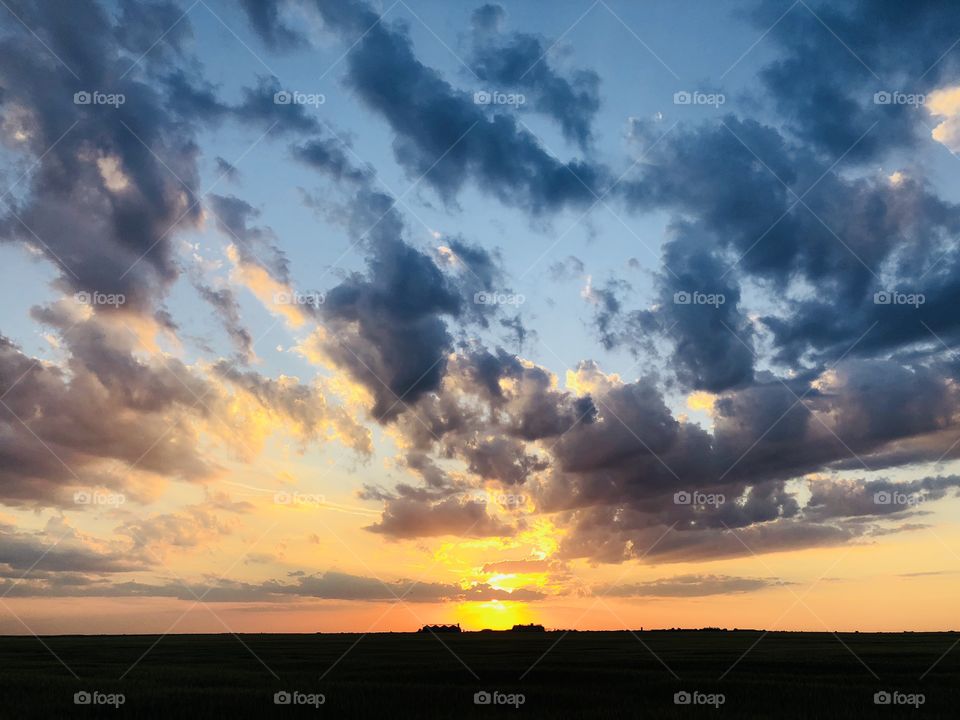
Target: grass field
{"points": [[584, 674]]}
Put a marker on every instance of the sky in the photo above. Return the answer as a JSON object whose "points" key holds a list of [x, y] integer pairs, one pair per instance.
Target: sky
{"points": [[358, 316]]}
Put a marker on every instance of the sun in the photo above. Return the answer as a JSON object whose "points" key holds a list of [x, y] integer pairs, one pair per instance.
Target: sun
{"points": [[493, 614]]}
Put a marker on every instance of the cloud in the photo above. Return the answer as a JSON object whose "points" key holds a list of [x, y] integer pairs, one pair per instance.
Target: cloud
{"points": [[186, 529], [266, 18], [517, 566], [109, 233], [410, 518], [60, 549], [521, 62], [441, 135], [885, 47], [256, 245], [329, 585], [227, 169], [690, 586], [227, 309], [108, 408], [328, 156]]}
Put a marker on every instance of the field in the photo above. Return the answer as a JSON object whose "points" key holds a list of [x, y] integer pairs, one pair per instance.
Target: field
{"points": [[577, 675]]}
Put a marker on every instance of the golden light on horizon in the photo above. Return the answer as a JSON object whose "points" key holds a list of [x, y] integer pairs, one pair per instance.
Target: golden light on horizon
{"points": [[493, 615]]}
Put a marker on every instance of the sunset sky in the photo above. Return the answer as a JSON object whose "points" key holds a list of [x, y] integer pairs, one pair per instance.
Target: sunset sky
{"points": [[356, 316]]}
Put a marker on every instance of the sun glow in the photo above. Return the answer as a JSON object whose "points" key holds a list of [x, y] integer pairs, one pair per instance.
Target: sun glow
{"points": [[493, 615]]}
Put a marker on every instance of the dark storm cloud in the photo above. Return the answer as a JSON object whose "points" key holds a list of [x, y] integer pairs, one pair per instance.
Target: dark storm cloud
{"points": [[857, 498], [761, 433], [265, 16], [832, 59], [441, 134], [843, 236], [99, 204], [140, 24], [488, 18], [502, 459], [270, 105], [387, 325], [614, 535], [480, 272], [192, 98], [701, 309], [520, 62]]}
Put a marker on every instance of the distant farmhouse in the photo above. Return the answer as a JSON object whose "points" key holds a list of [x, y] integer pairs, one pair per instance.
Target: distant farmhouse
{"points": [[527, 628], [440, 628]]}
